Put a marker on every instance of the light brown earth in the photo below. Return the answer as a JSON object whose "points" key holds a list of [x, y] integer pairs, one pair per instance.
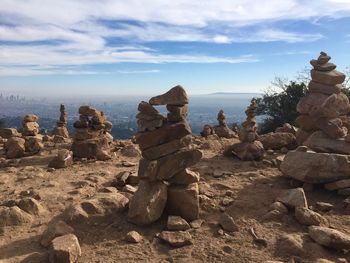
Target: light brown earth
{"points": [[251, 186]]}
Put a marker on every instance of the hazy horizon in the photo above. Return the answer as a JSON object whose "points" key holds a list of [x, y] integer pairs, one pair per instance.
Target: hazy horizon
{"points": [[112, 47]]}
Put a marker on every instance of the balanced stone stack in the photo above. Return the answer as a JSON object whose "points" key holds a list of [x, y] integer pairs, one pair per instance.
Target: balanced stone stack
{"points": [[249, 148], [166, 183], [324, 108], [15, 144], [61, 124], [323, 158], [90, 137], [33, 140], [222, 130]]}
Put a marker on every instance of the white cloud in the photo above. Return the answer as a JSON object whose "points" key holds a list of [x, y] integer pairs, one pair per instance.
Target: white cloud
{"points": [[76, 32], [139, 71]]}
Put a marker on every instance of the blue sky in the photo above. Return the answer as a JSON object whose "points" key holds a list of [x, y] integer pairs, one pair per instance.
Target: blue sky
{"points": [[114, 47]]}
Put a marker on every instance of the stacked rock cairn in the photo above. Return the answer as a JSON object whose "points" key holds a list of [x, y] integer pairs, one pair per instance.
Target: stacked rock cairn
{"points": [[222, 129], [91, 139], [33, 140], [61, 124], [166, 183], [325, 107], [249, 148], [14, 143], [323, 157]]}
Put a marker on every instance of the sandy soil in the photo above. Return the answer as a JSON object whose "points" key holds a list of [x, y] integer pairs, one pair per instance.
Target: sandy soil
{"points": [[251, 187]]}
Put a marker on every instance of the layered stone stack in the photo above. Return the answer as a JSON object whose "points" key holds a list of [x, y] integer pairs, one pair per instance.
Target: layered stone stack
{"points": [[15, 144], [323, 109], [222, 130], [323, 158], [166, 183], [249, 148], [90, 137], [30, 132], [61, 125]]}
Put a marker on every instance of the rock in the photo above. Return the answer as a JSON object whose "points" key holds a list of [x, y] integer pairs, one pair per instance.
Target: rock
{"points": [[175, 96], [345, 191], [15, 147], [327, 78], [176, 113], [30, 118], [291, 245], [183, 201], [168, 148], [7, 133], [33, 144], [322, 67], [248, 151], [316, 87], [287, 128], [133, 237], [75, 213], [329, 237], [278, 140], [308, 217], [224, 132], [31, 206], [321, 105], [13, 216], [176, 239], [173, 164], [293, 198], [130, 151], [65, 249], [320, 142], [177, 223], [315, 168], [55, 229], [341, 184], [324, 207], [227, 223], [63, 159], [129, 189], [185, 177], [162, 135], [195, 224], [148, 203], [279, 207]]}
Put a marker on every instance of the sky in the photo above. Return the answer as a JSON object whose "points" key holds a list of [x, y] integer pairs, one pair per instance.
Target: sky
{"points": [[138, 47]]}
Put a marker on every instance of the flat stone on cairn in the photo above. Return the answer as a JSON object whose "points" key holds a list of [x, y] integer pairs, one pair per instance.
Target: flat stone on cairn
{"points": [[249, 148], [61, 124], [322, 129], [222, 130], [166, 183], [90, 137]]}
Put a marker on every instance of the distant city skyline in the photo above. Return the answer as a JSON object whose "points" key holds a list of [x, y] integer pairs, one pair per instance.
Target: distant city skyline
{"points": [[112, 47]]}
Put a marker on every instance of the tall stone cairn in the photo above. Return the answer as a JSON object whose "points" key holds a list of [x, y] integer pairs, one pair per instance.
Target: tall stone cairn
{"points": [[33, 140], [323, 157], [249, 148], [166, 183], [91, 139], [61, 124], [222, 130], [324, 109]]}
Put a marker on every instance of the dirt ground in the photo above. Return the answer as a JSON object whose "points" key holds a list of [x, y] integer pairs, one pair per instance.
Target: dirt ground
{"points": [[244, 190]]}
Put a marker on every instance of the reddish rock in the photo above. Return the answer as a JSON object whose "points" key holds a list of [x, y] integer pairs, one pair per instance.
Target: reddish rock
{"points": [[175, 96], [65, 249]]}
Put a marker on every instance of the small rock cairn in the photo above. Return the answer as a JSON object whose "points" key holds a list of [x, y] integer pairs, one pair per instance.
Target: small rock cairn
{"points": [[61, 124], [222, 129], [33, 140]]}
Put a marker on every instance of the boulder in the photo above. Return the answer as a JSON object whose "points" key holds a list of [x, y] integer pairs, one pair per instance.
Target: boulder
{"points": [[34, 144], [276, 141], [63, 159], [333, 128], [88, 111], [162, 135], [315, 168], [65, 249], [183, 201], [148, 203], [227, 223], [329, 237], [308, 217], [248, 151], [175, 96], [320, 142], [31, 206], [55, 229], [7, 133], [293, 198], [316, 87], [15, 147], [176, 239], [333, 77], [224, 132], [185, 177], [177, 223], [13, 216]]}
